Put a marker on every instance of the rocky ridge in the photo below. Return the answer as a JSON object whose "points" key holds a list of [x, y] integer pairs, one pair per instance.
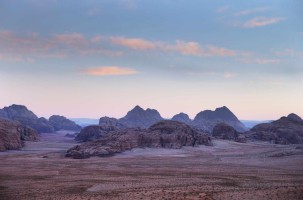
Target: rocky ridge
{"points": [[164, 134], [286, 130]]}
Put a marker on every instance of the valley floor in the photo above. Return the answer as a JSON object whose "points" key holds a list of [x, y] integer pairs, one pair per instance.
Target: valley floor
{"points": [[227, 170]]}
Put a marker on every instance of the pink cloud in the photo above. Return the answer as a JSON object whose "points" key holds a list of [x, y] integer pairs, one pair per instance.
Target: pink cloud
{"points": [[133, 43], [195, 49], [110, 71], [261, 21]]}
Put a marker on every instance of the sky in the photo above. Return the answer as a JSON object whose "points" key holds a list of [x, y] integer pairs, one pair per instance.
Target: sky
{"points": [[101, 58]]}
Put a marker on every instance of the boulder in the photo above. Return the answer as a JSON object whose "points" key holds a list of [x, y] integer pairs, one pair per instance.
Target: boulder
{"points": [[93, 132]]}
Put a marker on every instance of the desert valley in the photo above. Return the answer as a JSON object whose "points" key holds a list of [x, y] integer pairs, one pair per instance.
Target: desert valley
{"points": [[143, 156], [145, 99]]}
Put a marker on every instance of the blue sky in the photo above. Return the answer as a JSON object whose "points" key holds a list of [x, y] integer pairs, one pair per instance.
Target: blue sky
{"points": [[94, 58]]}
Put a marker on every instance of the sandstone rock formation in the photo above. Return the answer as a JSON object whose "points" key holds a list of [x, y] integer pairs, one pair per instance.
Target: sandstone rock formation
{"points": [[182, 117], [9, 136], [26, 118], [94, 132], [207, 119], [224, 131], [286, 130], [62, 123], [139, 117], [110, 122], [12, 133], [164, 134]]}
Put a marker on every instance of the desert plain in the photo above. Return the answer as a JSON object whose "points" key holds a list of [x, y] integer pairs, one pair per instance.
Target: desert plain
{"points": [[226, 170]]}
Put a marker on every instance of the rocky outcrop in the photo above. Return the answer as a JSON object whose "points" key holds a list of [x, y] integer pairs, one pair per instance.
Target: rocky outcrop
{"points": [[207, 119], [139, 117], [227, 132], [182, 117], [224, 131], [26, 118], [164, 134], [93, 132], [62, 123], [286, 130], [110, 122], [10, 138], [12, 133]]}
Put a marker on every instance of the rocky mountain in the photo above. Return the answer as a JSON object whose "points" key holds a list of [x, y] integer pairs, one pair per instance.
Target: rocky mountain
{"points": [[207, 119], [294, 117], [26, 118], [286, 130], [139, 117], [13, 133], [182, 117], [62, 123], [164, 134]]}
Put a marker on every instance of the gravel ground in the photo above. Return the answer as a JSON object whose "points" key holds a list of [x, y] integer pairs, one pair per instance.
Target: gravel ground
{"points": [[227, 170]]}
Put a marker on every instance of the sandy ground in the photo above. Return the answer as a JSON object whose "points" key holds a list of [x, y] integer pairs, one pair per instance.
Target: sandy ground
{"points": [[227, 170]]}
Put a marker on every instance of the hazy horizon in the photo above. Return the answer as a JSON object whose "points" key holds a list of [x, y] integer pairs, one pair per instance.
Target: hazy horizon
{"points": [[101, 58]]}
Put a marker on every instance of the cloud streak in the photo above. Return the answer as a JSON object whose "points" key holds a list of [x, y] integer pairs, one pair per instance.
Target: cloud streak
{"points": [[262, 21], [133, 43], [110, 71]]}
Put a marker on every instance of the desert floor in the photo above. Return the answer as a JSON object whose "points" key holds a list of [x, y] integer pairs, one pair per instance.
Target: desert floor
{"points": [[227, 170]]}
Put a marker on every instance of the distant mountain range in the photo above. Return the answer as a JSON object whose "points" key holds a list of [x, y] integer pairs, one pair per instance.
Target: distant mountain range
{"points": [[27, 118]]}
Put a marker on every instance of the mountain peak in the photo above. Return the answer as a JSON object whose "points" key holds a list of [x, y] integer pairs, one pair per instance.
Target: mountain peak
{"points": [[294, 116]]}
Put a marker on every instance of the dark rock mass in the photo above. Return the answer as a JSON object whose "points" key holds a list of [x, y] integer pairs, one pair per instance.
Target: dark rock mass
{"points": [[294, 117], [164, 134], [12, 133], [182, 117], [26, 118], [139, 117], [62, 123], [224, 131], [286, 130], [93, 132], [110, 122], [10, 138], [207, 119]]}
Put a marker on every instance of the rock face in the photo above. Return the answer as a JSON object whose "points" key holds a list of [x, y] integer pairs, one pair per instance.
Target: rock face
{"points": [[286, 130], [164, 134], [62, 123], [12, 133], [93, 132], [110, 122], [139, 117], [224, 131], [207, 119], [26, 118], [182, 117], [9, 136]]}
